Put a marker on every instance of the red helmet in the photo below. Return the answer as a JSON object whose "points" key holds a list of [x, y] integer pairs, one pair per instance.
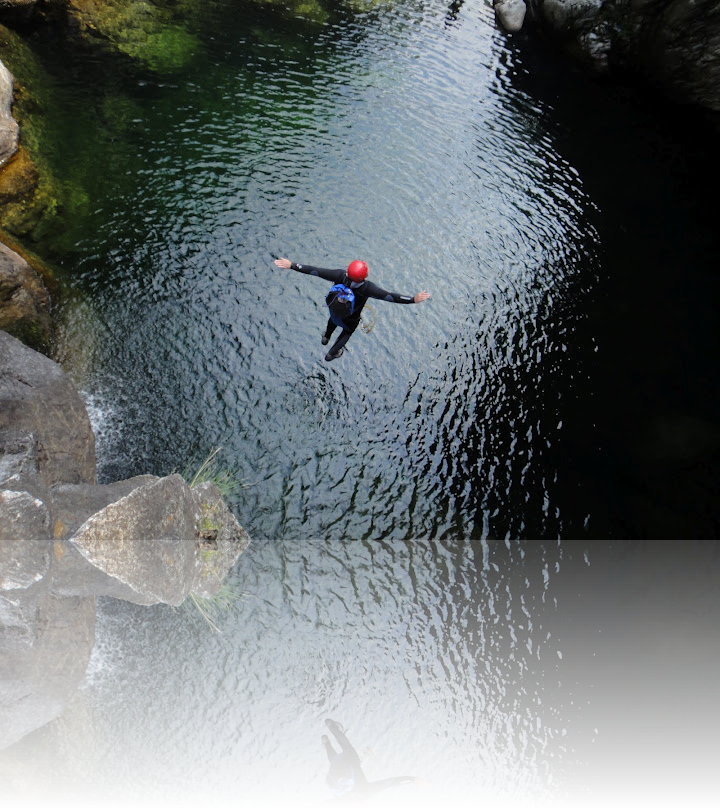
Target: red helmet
{"points": [[357, 271]]}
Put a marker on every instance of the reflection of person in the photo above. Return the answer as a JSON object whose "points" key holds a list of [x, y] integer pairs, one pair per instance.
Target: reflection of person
{"points": [[355, 277], [346, 776]]}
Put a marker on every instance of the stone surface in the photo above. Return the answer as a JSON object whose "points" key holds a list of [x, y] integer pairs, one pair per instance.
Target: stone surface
{"points": [[145, 540], [9, 134], [37, 396], [511, 14], [674, 44], [158, 543], [24, 539], [24, 300], [561, 13], [19, 178], [64, 542]]}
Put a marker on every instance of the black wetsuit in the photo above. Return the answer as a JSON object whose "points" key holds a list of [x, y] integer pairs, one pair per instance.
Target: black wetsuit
{"points": [[362, 290], [346, 775]]}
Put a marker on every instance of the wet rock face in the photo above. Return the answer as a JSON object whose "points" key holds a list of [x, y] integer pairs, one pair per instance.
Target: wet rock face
{"points": [[36, 396], [9, 133], [65, 540], [675, 44], [683, 52], [24, 300]]}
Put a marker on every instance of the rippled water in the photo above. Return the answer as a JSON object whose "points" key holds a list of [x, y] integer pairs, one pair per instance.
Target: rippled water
{"points": [[548, 389]]}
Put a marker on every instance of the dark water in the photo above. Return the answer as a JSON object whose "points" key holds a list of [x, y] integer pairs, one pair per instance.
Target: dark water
{"points": [[560, 383]]}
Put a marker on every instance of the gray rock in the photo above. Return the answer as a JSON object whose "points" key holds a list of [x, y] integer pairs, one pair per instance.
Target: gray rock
{"points": [[18, 458], [9, 133], [37, 397], [65, 540], [511, 14], [675, 44], [120, 552], [562, 13], [24, 300], [24, 540]]}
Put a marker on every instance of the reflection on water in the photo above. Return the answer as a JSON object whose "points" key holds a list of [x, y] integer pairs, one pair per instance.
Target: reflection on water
{"points": [[375, 590]]}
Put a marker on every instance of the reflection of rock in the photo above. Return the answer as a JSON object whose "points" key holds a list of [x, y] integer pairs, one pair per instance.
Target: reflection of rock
{"points": [[65, 540], [24, 772], [109, 552], [43, 657]]}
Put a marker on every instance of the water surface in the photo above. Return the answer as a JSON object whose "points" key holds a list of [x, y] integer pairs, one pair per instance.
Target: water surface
{"points": [[560, 383]]}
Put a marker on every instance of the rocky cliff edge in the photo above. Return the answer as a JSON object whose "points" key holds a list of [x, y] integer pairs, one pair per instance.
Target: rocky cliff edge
{"points": [[65, 540]]}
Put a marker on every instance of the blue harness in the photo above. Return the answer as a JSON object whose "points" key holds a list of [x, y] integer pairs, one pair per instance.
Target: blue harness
{"points": [[340, 301], [344, 784]]}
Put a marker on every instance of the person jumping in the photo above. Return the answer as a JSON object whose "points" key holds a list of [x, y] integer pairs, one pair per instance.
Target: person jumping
{"points": [[347, 297]]}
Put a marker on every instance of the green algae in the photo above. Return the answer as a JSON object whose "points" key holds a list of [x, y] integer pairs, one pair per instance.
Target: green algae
{"points": [[145, 32], [30, 205], [65, 140]]}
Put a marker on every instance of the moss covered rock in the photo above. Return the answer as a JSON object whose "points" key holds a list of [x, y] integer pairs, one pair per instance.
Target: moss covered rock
{"points": [[24, 301], [141, 30], [30, 193]]}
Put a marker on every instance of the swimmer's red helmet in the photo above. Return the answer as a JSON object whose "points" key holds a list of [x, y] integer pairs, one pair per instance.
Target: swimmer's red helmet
{"points": [[357, 270]]}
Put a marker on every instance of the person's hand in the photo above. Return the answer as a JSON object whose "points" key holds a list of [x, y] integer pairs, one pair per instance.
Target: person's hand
{"points": [[421, 296], [283, 263]]}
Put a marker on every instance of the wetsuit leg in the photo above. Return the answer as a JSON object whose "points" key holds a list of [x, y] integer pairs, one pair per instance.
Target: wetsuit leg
{"points": [[341, 341], [329, 329]]}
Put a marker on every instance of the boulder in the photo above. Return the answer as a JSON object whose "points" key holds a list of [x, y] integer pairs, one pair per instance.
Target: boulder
{"points": [[563, 13], [24, 547], [36, 396], [24, 300], [159, 542], [65, 540], [9, 134], [673, 44], [511, 14]]}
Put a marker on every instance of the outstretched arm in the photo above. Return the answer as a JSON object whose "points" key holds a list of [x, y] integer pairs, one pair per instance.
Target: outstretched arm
{"points": [[309, 270], [373, 291]]}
